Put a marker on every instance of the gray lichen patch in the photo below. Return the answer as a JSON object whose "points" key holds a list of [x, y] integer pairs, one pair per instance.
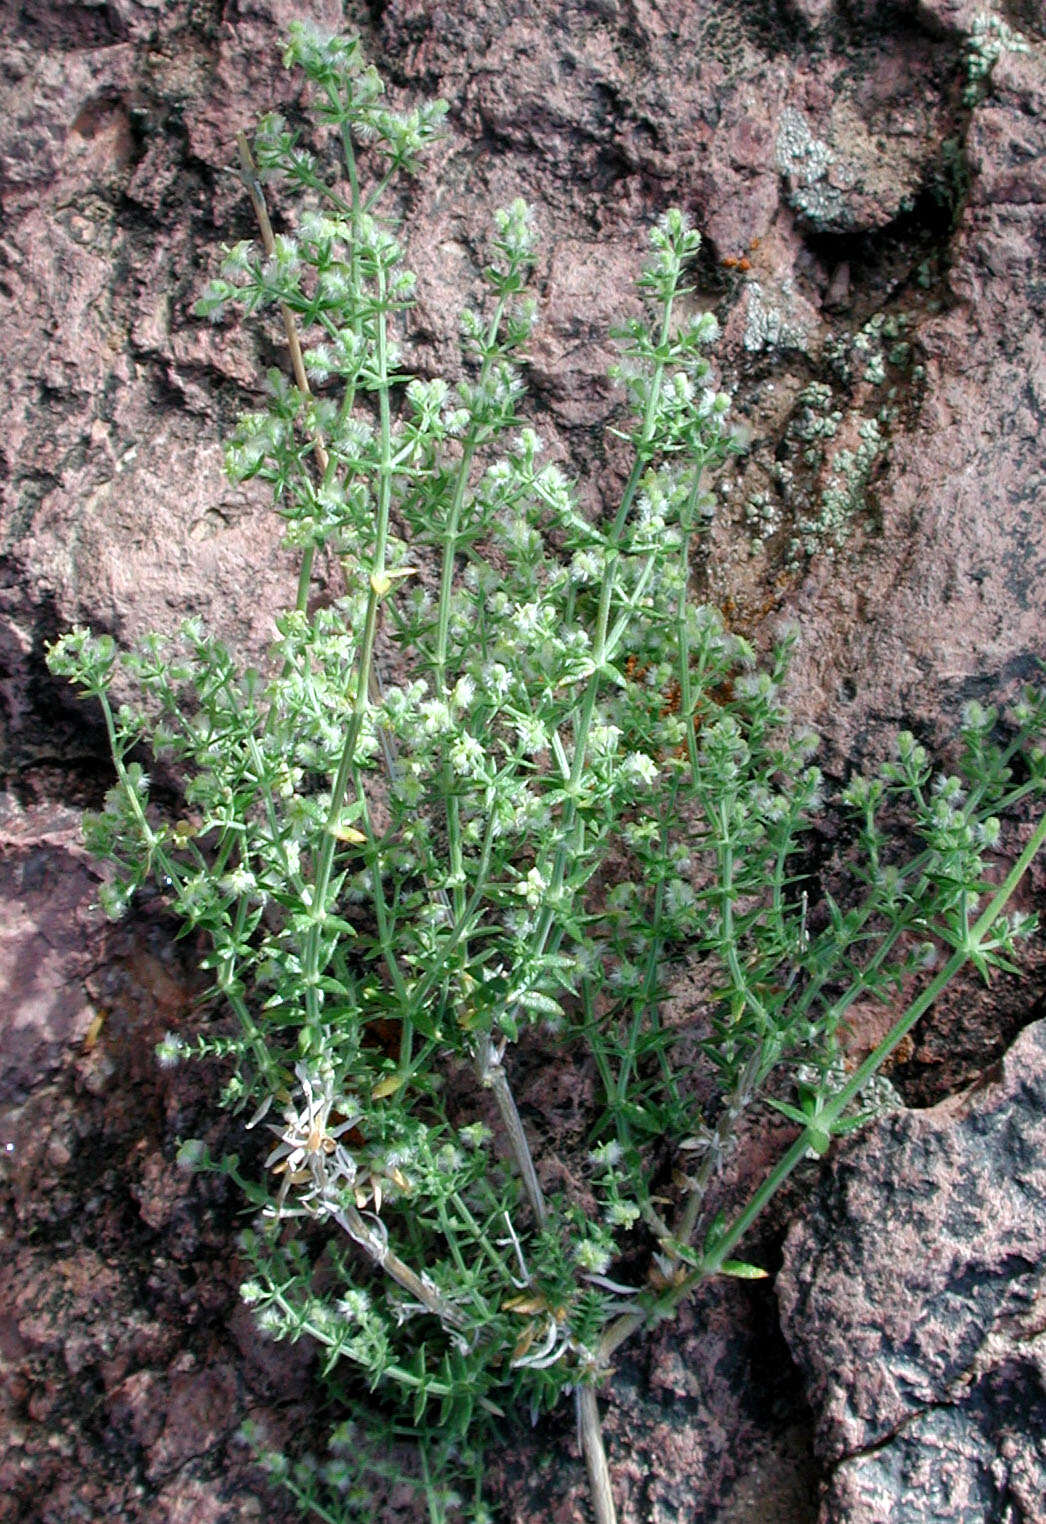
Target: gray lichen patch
{"points": [[806, 160], [810, 488], [785, 323]]}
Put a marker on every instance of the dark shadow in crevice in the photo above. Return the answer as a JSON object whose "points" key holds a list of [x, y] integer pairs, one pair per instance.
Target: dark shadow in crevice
{"points": [[51, 27], [910, 253]]}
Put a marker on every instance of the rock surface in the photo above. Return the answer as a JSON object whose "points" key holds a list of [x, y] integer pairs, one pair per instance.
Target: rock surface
{"points": [[913, 1296], [871, 225]]}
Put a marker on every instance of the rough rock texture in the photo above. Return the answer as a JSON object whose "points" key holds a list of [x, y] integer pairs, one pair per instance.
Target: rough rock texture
{"points": [[126, 1363], [48, 943], [867, 228], [913, 1297]]}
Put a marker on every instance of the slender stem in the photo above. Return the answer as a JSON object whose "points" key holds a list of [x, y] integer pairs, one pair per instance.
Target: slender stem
{"points": [[729, 894], [407, 1378], [834, 1109], [446, 584], [588, 1411], [712, 1261], [591, 1432], [744, 1089], [587, 1406], [170, 869], [450, 1237], [569, 845], [377, 589], [489, 1067], [481, 1236], [492, 1076], [381, 906], [918, 865], [435, 1512], [349, 153], [301, 380]]}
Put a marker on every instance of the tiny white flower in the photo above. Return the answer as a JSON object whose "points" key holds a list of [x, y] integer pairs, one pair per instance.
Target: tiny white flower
{"points": [[533, 736], [603, 739], [270, 1321], [585, 566], [435, 717], [467, 757], [532, 888], [639, 769], [475, 1135], [622, 1214], [170, 1050], [496, 680], [592, 1256], [528, 617], [241, 881], [354, 1305], [464, 693]]}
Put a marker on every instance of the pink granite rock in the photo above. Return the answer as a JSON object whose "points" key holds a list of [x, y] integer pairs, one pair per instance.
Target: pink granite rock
{"points": [[912, 1297], [48, 944], [827, 155]]}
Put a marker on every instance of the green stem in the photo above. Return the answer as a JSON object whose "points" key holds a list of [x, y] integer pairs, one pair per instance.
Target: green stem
{"points": [[170, 869], [568, 847], [712, 1261], [728, 936], [481, 1237], [919, 866], [395, 1373], [436, 1515], [381, 909], [446, 587], [377, 590]]}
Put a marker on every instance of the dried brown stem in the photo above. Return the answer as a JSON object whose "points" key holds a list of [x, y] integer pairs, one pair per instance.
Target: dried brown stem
{"points": [[250, 178], [374, 1244], [595, 1455], [492, 1077]]}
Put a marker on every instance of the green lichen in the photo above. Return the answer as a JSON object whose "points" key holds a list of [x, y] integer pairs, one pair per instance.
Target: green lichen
{"points": [[990, 37]]}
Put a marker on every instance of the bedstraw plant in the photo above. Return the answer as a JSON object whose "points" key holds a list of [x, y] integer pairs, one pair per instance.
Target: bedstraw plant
{"points": [[509, 778]]}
